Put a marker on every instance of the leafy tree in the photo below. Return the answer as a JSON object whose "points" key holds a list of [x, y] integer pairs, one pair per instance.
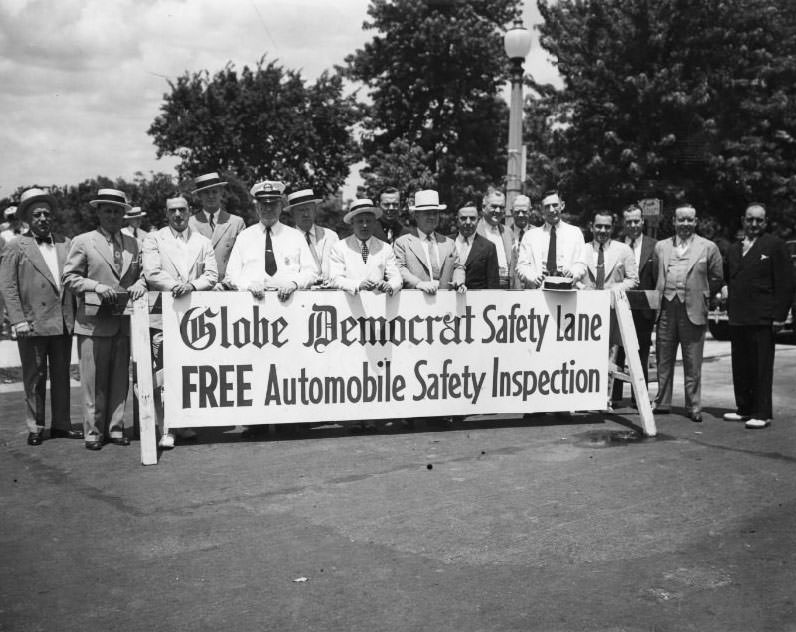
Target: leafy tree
{"points": [[433, 73], [672, 98], [263, 122]]}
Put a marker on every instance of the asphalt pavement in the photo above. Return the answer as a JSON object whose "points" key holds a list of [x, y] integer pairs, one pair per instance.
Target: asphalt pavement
{"points": [[551, 523]]}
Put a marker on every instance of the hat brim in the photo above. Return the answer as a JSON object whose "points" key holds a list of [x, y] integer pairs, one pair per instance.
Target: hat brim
{"points": [[438, 207], [209, 186], [24, 206], [348, 217], [312, 201], [96, 203], [135, 216]]}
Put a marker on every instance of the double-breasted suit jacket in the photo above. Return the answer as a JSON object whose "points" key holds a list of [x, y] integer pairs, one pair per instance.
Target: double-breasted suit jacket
{"points": [[34, 294], [222, 237], [413, 265], [481, 267]]}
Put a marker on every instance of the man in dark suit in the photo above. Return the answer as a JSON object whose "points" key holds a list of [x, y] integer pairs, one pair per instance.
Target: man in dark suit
{"points": [[108, 263], [220, 227], [643, 248], [476, 253], [491, 228], [389, 227], [42, 314], [759, 293]]}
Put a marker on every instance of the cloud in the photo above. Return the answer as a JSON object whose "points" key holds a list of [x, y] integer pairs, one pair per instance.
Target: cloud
{"points": [[82, 80]]}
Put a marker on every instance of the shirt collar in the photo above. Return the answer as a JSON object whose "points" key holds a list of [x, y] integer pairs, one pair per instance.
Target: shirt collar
{"points": [[424, 236], [275, 228], [106, 234], [186, 234]]}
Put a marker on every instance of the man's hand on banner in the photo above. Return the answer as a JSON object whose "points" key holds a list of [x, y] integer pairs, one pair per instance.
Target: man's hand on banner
{"points": [[284, 291], [428, 287], [179, 290], [257, 289]]}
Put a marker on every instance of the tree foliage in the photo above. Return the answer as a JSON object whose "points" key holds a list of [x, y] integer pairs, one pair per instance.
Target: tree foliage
{"points": [[671, 98], [433, 73], [261, 122]]}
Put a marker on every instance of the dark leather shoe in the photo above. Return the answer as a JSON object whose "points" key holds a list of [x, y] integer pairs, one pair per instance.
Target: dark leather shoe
{"points": [[66, 434], [661, 411], [93, 445], [35, 438], [696, 417], [119, 441]]}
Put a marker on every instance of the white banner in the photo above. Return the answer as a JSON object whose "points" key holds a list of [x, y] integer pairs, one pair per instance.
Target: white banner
{"points": [[231, 359]]}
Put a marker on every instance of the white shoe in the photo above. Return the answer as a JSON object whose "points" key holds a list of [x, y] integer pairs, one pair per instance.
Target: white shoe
{"points": [[758, 423], [734, 417], [166, 441]]}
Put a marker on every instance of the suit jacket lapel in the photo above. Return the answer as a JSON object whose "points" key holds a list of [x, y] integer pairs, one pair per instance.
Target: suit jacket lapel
{"points": [[611, 258], [34, 254], [221, 227], [104, 250], [416, 247], [202, 225], [695, 251], [475, 248]]}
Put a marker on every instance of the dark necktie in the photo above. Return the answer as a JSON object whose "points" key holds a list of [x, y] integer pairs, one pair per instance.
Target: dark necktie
{"points": [[552, 266], [135, 233], [117, 252], [522, 234], [211, 222], [270, 260], [312, 248], [601, 269], [365, 251], [633, 245]]}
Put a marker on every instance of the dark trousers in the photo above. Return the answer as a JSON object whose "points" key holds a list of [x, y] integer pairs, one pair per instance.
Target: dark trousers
{"points": [[38, 354], [752, 369], [644, 325]]}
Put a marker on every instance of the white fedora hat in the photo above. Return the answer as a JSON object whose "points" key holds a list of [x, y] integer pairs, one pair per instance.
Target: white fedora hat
{"points": [[176, 202], [29, 197], [111, 196], [135, 213], [208, 181], [427, 200], [360, 206], [301, 197]]}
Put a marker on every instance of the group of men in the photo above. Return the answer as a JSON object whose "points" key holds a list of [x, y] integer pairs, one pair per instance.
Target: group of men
{"points": [[49, 283]]}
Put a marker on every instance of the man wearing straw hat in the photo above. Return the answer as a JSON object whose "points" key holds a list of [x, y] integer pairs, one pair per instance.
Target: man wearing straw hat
{"points": [[303, 206], [178, 260], [426, 259], [105, 262], [219, 226], [361, 261], [270, 255], [134, 217], [42, 313]]}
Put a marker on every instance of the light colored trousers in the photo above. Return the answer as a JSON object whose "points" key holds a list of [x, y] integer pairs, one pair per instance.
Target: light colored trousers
{"points": [[105, 378]]}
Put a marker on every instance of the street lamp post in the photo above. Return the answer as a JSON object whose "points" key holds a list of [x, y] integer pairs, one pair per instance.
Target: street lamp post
{"points": [[517, 43]]}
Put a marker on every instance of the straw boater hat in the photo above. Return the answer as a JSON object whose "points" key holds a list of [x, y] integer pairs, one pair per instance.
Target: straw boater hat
{"points": [[135, 213], [29, 197], [267, 189], [111, 196], [427, 200], [177, 202], [208, 181], [301, 197], [10, 212], [358, 207]]}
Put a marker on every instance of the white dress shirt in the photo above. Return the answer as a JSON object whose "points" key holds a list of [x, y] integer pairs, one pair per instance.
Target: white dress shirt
{"points": [[47, 250], [429, 248], [347, 269], [294, 261], [636, 248], [463, 247], [570, 251], [681, 245]]}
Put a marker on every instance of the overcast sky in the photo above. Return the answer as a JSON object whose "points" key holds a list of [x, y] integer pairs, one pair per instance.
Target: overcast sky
{"points": [[82, 80]]}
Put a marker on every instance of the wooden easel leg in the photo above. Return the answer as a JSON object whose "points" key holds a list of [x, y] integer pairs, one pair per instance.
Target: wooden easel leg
{"points": [[630, 342], [142, 356]]}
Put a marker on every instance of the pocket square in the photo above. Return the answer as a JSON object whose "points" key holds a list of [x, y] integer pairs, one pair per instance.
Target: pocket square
{"points": [[763, 257]]}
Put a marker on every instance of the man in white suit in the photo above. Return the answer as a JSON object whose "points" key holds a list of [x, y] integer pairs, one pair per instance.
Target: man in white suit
{"points": [[303, 206], [361, 261], [610, 264], [179, 260], [426, 259], [219, 226]]}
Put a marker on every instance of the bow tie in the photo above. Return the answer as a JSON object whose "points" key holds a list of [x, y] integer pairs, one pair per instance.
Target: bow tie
{"points": [[44, 240]]}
